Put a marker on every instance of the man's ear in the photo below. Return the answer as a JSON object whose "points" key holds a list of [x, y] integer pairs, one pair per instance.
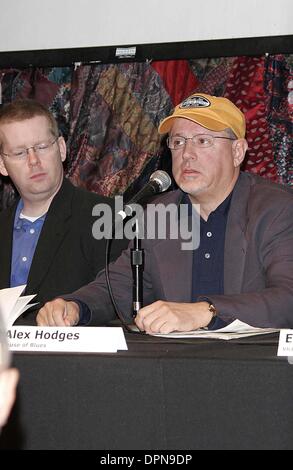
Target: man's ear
{"points": [[62, 148], [3, 170], [239, 148]]}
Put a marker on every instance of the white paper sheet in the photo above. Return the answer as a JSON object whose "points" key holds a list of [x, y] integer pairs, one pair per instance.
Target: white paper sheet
{"points": [[236, 329], [12, 305]]}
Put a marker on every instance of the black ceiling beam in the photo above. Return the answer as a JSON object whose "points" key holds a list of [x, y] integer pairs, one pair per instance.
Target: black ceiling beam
{"points": [[160, 51]]}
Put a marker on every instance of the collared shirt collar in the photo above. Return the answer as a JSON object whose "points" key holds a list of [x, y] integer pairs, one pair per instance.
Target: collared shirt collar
{"points": [[223, 207], [18, 221]]}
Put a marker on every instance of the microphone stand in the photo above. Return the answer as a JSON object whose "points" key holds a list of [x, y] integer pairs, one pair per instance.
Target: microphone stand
{"points": [[159, 182], [137, 263]]}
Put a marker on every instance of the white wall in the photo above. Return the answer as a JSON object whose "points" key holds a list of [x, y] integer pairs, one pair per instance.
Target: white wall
{"points": [[51, 24]]}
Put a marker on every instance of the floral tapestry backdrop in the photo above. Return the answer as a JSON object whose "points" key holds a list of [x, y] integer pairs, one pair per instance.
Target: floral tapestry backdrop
{"points": [[109, 114]]}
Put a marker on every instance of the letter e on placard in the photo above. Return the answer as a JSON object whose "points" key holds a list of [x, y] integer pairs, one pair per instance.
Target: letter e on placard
{"points": [[285, 347]]}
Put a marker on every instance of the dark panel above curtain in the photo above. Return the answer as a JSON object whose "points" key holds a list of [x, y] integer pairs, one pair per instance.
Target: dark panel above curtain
{"points": [[109, 114]]}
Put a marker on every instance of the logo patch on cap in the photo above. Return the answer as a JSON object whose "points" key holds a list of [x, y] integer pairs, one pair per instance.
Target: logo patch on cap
{"points": [[195, 102]]}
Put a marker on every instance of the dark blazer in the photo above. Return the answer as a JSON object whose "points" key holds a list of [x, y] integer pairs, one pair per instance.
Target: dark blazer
{"points": [[67, 256], [258, 262]]}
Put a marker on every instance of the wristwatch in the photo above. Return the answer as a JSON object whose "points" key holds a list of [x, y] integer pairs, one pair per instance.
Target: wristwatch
{"points": [[213, 311]]}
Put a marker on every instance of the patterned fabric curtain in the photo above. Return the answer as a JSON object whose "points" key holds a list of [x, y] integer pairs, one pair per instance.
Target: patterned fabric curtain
{"points": [[113, 133], [278, 83], [109, 114]]}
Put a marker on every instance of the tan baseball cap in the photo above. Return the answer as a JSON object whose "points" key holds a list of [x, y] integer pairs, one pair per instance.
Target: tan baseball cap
{"points": [[213, 112]]}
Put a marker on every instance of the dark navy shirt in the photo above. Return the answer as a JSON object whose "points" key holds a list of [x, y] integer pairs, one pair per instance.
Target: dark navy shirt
{"points": [[208, 258]]}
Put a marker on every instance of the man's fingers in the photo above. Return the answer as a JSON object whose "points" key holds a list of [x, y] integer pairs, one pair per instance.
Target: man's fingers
{"points": [[148, 314], [58, 313], [72, 314]]}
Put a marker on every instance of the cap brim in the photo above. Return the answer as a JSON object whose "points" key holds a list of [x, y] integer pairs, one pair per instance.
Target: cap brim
{"points": [[204, 121]]}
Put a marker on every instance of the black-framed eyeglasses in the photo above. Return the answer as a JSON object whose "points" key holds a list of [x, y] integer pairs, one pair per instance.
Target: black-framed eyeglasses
{"points": [[39, 149], [177, 142]]}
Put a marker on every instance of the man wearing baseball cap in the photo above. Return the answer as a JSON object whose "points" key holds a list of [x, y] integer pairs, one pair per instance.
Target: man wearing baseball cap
{"points": [[243, 266], [211, 112]]}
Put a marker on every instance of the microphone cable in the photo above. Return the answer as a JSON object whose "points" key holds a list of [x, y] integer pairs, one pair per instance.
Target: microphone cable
{"points": [[129, 327]]}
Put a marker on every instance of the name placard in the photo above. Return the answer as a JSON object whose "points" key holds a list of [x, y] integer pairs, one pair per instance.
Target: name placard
{"points": [[285, 347], [66, 339]]}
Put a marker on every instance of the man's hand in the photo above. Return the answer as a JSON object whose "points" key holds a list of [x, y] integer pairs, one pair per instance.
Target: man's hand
{"points": [[165, 317], [58, 312]]}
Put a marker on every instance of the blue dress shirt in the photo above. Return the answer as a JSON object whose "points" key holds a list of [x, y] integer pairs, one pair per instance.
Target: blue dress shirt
{"points": [[25, 238]]}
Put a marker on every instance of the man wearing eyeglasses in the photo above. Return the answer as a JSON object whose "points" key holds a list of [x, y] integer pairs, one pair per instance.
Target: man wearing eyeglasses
{"points": [[46, 238], [243, 266]]}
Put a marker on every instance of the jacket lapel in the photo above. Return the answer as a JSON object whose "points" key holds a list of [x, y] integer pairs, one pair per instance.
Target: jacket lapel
{"points": [[175, 266], [54, 230], [177, 283], [174, 263], [235, 241]]}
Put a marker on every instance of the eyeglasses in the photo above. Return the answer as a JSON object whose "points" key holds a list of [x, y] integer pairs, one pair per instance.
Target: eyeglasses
{"points": [[200, 140], [39, 150]]}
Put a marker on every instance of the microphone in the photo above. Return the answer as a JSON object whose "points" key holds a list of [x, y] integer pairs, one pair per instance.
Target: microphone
{"points": [[159, 182]]}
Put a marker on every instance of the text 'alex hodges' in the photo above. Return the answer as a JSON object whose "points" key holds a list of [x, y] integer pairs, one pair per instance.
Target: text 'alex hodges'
{"points": [[41, 334]]}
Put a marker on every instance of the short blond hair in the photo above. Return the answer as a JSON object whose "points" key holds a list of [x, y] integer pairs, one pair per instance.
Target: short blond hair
{"points": [[22, 109]]}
